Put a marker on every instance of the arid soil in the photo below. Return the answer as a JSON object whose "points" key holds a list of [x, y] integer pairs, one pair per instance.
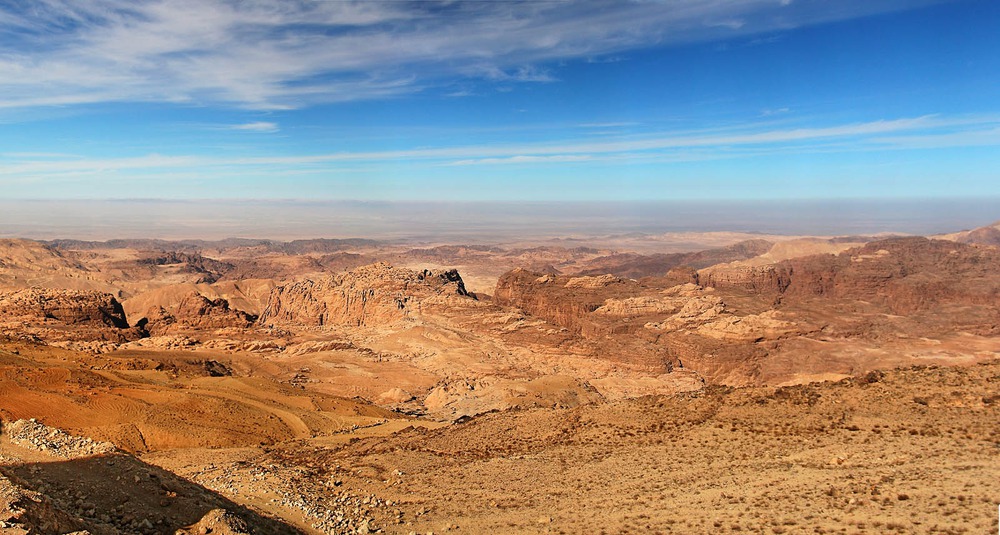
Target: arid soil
{"points": [[352, 386]]}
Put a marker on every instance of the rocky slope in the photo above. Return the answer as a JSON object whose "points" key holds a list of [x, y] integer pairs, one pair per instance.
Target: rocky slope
{"points": [[52, 482], [633, 265], [61, 315], [906, 275], [374, 294], [908, 451], [886, 301], [67, 306], [988, 235], [196, 312]]}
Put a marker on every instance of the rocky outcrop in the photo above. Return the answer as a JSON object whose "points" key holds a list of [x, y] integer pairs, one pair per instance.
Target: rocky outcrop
{"points": [[751, 328], [67, 306], [567, 302], [636, 265], [24, 511], [370, 295], [756, 279], [196, 311], [684, 326], [988, 235], [903, 274], [51, 316]]}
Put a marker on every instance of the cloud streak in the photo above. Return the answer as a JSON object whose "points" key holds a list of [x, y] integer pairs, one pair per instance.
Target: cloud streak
{"points": [[259, 126], [272, 54], [918, 133]]}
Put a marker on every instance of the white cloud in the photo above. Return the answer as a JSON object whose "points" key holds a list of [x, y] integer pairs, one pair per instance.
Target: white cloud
{"points": [[274, 54], [259, 126], [911, 133], [617, 124], [520, 159]]}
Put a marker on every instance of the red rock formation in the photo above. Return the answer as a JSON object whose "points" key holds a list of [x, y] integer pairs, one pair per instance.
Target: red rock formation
{"points": [[903, 274], [67, 306], [636, 265], [755, 279], [567, 302], [374, 294], [59, 315], [196, 311]]}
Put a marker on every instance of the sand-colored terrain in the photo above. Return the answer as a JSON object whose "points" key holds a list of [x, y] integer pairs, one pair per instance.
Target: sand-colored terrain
{"points": [[758, 384]]}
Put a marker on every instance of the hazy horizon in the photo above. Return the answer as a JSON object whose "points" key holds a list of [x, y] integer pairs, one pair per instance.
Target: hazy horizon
{"points": [[479, 222]]}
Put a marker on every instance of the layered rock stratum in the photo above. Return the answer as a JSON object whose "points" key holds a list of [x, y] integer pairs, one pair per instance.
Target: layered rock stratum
{"points": [[378, 293]]}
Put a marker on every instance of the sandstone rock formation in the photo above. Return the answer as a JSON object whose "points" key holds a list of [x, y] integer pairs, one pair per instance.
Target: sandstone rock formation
{"points": [[757, 279], [65, 315], [67, 306], [198, 312], [567, 302], [642, 323], [374, 294], [904, 274], [656, 265], [988, 235]]}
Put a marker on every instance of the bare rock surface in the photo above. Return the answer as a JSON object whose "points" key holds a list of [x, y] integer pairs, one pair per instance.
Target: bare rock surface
{"points": [[575, 399], [70, 307], [374, 294], [196, 311], [35, 435]]}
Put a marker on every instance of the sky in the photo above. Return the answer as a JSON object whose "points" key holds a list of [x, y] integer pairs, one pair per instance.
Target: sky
{"points": [[540, 101]]}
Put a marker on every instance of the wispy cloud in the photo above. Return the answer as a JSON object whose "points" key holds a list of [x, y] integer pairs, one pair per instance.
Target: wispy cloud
{"points": [[618, 124], [920, 133], [273, 54], [521, 159], [767, 112], [259, 126]]}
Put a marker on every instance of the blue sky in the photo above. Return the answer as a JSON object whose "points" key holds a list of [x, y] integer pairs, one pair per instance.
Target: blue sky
{"points": [[546, 101]]}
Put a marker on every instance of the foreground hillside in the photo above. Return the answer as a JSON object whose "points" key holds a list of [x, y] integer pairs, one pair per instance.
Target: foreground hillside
{"points": [[907, 451]]}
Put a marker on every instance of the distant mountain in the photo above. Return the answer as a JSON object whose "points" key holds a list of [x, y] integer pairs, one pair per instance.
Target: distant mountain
{"points": [[988, 235], [635, 265]]}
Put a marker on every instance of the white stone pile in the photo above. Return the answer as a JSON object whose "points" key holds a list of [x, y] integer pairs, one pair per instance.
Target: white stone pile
{"points": [[34, 435]]}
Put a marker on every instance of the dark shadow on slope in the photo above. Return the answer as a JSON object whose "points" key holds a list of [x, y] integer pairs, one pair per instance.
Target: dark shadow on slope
{"points": [[120, 494]]}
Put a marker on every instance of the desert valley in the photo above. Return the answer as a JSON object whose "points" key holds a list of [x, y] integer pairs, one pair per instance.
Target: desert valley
{"points": [[590, 267], [675, 383]]}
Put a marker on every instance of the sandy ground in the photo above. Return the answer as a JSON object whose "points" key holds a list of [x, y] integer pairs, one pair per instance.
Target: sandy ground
{"points": [[915, 451]]}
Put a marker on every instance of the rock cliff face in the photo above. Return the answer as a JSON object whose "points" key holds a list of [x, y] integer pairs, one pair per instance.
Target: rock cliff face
{"points": [[565, 302], [646, 324], [907, 274], [904, 274], [637, 265], [67, 306], [756, 279], [370, 295], [196, 311], [64, 315]]}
